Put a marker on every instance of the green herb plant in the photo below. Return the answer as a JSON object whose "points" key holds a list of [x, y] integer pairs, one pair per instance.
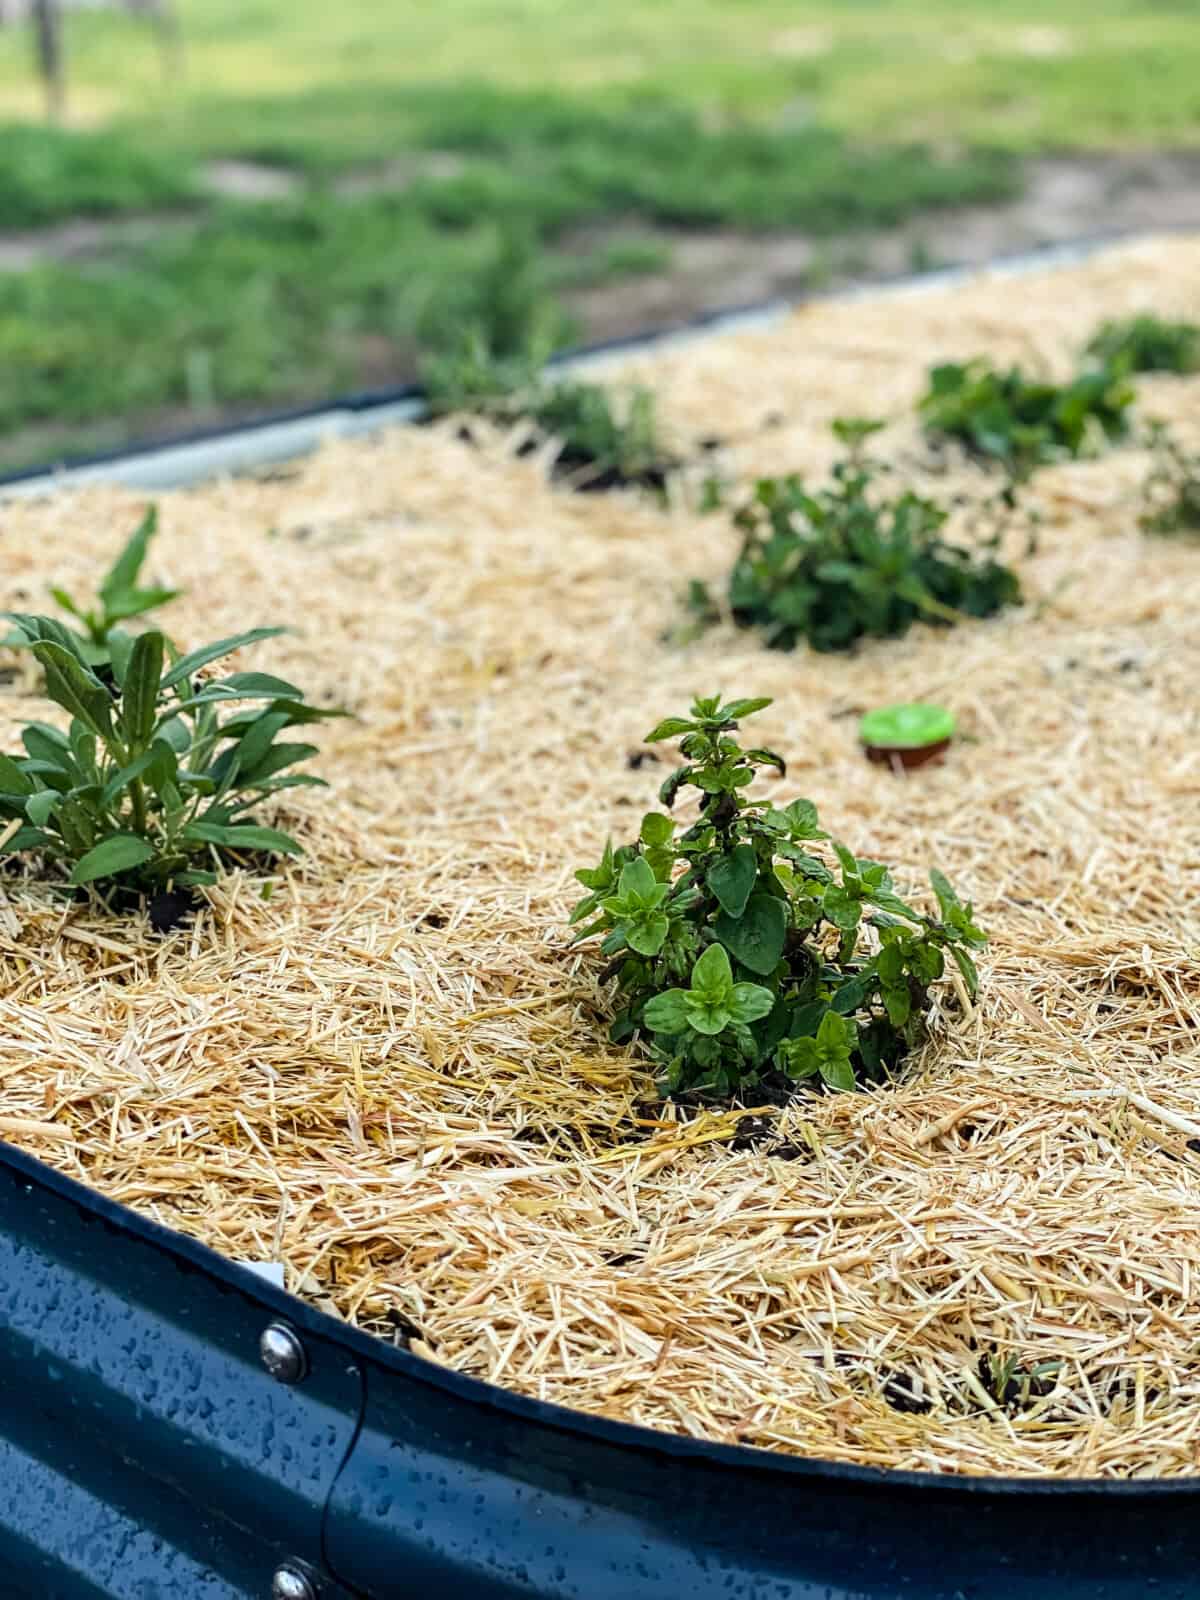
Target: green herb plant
{"points": [[119, 599], [1171, 491], [604, 438], [1147, 343], [840, 563], [493, 363], [1023, 422], [749, 947], [151, 784]]}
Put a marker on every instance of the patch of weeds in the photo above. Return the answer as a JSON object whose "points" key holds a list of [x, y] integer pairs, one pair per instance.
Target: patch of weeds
{"points": [[149, 785], [491, 332], [119, 600], [1171, 491], [835, 565], [1024, 422], [743, 953], [1147, 343], [495, 366], [607, 441]]}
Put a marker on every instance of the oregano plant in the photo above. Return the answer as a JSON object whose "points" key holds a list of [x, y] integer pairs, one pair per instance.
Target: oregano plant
{"points": [[747, 945], [835, 564]]}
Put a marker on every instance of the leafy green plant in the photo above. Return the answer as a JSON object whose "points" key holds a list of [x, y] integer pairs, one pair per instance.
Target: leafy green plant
{"points": [[837, 564], [1171, 491], [750, 947], [1147, 343], [119, 598], [1023, 422], [151, 784], [606, 439]]}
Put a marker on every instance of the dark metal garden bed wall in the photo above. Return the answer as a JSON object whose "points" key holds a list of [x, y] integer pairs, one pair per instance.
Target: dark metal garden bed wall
{"points": [[146, 1452]]}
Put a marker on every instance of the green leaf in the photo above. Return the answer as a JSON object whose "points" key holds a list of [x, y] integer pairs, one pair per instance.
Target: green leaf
{"points": [[800, 1057], [756, 938], [45, 630], [712, 974], [667, 1012], [121, 780], [647, 933], [117, 853], [76, 688], [946, 898], [707, 1018], [750, 1002], [277, 758], [187, 665], [656, 829], [28, 839], [843, 910], [124, 571], [139, 696], [39, 808], [120, 648], [968, 969], [849, 996], [253, 684], [887, 901], [838, 1074], [637, 882], [669, 728], [898, 1002], [735, 710], [49, 745], [136, 602], [732, 878], [242, 836], [12, 779], [257, 739]]}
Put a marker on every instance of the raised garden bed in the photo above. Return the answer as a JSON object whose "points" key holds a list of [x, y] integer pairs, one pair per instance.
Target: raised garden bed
{"points": [[384, 1067]]}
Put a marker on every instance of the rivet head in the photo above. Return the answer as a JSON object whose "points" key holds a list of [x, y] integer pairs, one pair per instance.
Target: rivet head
{"points": [[283, 1354], [293, 1582]]}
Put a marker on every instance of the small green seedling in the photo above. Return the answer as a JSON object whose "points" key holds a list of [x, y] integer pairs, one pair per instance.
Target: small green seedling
{"points": [[1023, 422], [749, 947], [119, 600], [150, 784], [835, 565], [1147, 343]]}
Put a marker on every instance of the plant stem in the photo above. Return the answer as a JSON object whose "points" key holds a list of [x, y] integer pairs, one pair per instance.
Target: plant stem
{"points": [[138, 796]]}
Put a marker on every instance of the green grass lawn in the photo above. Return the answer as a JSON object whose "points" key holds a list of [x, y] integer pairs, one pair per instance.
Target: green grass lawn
{"points": [[544, 114]]}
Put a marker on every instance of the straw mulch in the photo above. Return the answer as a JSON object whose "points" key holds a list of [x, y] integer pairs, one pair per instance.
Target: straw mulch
{"points": [[388, 1070]]}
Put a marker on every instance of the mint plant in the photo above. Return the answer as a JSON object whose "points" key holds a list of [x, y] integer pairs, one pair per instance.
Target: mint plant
{"points": [[119, 599], [837, 564], [750, 948], [1023, 422], [151, 783]]}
